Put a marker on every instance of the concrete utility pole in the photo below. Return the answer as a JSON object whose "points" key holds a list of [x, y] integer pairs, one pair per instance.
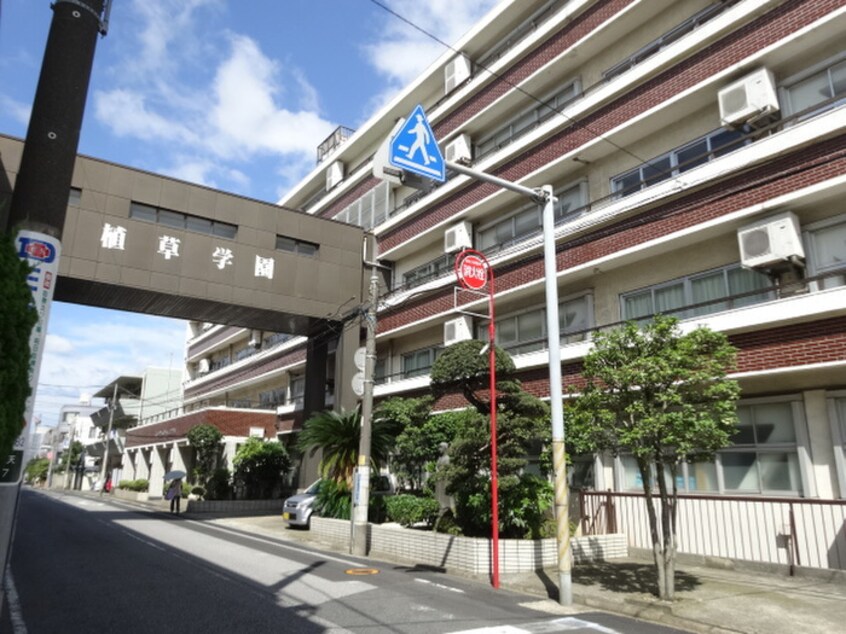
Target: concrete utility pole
{"points": [[361, 484], [39, 202], [105, 466]]}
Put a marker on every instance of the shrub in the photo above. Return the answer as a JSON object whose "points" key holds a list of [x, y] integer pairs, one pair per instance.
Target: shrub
{"points": [[411, 509], [219, 485], [333, 500], [134, 485]]}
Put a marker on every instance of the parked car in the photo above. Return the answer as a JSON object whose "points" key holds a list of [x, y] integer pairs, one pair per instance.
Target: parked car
{"points": [[297, 509]]}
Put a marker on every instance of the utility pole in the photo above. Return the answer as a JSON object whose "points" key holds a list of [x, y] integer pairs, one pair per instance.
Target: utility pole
{"points": [[361, 483], [39, 202], [70, 453], [105, 466]]}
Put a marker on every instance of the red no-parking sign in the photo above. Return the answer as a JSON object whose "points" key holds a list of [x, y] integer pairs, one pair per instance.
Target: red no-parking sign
{"points": [[471, 268]]}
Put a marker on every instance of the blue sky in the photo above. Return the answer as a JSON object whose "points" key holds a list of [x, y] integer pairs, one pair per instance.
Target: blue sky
{"points": [[231, 94]]}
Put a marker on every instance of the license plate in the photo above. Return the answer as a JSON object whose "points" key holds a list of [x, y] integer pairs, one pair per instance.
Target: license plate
{"points": [[286, 516]]}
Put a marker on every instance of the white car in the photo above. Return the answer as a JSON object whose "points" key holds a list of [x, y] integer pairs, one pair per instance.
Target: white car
{"points": [[297, 509]]}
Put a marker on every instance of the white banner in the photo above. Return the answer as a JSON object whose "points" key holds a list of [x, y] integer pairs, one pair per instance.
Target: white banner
{"points": [[41, 252]]}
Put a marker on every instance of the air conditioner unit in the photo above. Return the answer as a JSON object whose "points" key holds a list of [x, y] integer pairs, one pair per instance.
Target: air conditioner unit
{"points": [[255, 339], [748, 99], [203, 365], [459, 150], [458, 237], [459, 329], [456, 72], [770, 241], [334, 174]]}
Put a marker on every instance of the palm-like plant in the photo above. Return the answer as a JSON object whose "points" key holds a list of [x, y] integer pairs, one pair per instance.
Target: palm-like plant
{"points": [[338, 435]]}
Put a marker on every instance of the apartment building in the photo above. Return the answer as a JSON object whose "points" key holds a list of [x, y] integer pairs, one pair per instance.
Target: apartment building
{"points": [[697, 150]]}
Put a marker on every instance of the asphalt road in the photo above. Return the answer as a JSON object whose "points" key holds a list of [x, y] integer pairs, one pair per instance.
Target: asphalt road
{"points": [[85, 565]]}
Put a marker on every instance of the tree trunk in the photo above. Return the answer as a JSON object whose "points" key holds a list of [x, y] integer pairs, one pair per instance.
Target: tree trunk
{"points": [[666, 584], [645, 469]]}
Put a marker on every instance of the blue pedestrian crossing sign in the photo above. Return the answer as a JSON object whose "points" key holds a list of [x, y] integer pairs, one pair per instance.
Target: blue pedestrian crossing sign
{"points": [[415, 149]]}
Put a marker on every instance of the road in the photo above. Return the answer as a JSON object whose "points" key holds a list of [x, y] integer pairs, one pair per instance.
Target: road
{"points": [[82, 564]]}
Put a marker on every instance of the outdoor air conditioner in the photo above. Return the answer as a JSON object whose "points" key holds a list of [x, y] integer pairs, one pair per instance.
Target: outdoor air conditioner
{"points": [[334, 174], [458, 237], [770, 241], [459, 329], [749, 98], [203, 365], [459, 150], [255, 339], [456, 72]]}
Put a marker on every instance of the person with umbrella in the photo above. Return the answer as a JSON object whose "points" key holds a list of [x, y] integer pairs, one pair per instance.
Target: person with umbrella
{"points": [[174, 491]]}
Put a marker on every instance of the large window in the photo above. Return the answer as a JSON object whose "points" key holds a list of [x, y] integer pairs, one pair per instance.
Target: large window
{"points": [[429, 271], [529, 220], [370, 210], [419, 362], [763, 459], [668, 38], [524, 332], [528, 119], [298, 247], [700, 294], [819, 87], [827, 251], [677, 161]]}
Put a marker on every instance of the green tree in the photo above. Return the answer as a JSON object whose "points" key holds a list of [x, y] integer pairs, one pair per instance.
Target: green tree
{"points": [[259, 466], [522, 429], [663, 397], [17, 317], [416, 447], [205, 439], [36, 470], [337, 435], [72, 456]]}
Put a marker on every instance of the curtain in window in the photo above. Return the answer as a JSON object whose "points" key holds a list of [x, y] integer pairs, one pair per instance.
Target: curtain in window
{"points": [[830, 247], [669, 298], [707, 289], [636, 306], [744, 280]]}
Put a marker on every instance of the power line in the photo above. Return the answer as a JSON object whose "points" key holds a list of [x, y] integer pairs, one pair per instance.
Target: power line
{"points": [[514, 86]]}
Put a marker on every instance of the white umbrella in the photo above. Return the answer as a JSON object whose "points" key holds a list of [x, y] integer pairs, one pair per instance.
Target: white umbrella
{"points": [[173, 475]]}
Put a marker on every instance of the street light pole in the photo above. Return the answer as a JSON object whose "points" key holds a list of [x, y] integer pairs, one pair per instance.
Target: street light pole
{"points": [[559, 463]]}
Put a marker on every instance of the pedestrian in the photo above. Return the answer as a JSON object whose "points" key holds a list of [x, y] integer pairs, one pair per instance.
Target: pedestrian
{"points": [[174, 494]]}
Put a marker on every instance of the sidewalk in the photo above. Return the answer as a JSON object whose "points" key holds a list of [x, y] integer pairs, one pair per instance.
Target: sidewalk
{"points": [[708, 599]]}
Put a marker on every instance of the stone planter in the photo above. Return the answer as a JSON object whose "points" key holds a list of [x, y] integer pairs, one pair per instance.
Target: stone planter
{"points": [[470, 555], [124, 494]]}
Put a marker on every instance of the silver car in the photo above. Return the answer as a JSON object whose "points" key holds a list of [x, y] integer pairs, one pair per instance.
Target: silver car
{"points": [[298, 508]]}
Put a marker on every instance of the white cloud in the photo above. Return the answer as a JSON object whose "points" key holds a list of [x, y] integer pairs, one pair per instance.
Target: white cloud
{"points": [[128, 114], [17, 110], [403, 52]]}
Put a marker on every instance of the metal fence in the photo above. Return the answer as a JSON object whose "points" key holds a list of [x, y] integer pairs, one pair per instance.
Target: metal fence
{"points": [[789, 531]]}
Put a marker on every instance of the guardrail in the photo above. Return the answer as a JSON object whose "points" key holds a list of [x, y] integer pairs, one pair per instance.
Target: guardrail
{"points": [[775, 530]]}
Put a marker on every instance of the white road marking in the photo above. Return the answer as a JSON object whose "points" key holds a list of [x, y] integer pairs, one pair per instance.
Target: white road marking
{"points": [[565, 624], [440, 585]]}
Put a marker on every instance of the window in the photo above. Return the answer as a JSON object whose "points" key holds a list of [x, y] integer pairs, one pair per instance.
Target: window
{"points": [[700, 294], [274, 339], [370, 210], [419, 362], [678, 161], [693, 22], [528, 119], [764, 457], [246, 351], [429, 271], [271, 398], [297, 387], [75, 196], [298, 247], [178, 220], [526, 331], [827, 252], [763, 460], [818, 88], [529, 220]]}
